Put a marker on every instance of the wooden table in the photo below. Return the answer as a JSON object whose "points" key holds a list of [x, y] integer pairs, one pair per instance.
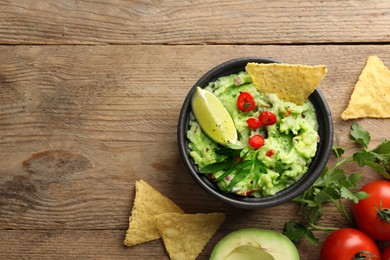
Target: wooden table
{"points": [[90, 93]]}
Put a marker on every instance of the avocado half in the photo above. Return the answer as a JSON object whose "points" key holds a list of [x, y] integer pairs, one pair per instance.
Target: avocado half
{"points": [[254, 243]]}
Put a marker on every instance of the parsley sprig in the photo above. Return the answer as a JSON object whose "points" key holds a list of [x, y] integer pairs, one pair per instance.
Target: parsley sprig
{"points": [[335, 186]]}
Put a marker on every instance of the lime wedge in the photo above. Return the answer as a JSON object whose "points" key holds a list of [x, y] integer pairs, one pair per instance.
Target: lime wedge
{"points": [[213, 117]]}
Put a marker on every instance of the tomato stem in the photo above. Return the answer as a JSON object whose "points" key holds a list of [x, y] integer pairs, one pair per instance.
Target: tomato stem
{"points": [[383, 213]]}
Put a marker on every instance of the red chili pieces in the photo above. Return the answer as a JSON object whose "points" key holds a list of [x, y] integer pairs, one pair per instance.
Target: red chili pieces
{"points": [[256, 141], [270, 153], [267, 118], [245, 102], [254, 123]]}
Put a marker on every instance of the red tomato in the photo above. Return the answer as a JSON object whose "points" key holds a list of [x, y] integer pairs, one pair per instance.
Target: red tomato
{"points": [[349, 243], [371, 213], [256, 141], [267, 118], [253, 123], [386, 253], [245, 102]]}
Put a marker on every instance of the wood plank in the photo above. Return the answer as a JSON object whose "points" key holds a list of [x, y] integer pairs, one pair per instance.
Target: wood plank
{"points": [[193, 22], [108, 244], [80, 244], [134, 93], [79, 124]]}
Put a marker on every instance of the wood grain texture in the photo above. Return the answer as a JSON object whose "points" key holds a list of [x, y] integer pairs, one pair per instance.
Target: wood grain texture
{"points": [[90, 93], [80, 124], [193, 22], [108, 244]]}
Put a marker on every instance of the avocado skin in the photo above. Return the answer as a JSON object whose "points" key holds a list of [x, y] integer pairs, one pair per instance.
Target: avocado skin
{"points": [[274, 243]]}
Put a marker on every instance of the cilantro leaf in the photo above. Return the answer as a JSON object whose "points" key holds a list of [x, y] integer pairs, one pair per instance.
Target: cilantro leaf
{"points": [[315, 214], [334, 176], [242, 171], [259, 166], [215, 167], [361, 195], [227, 172], [379, 168], [296, 231], [383, 148], [232, 153], [359, 135], [338, 151], [321, 196], [347, 194], [363, 157], [349, 181]]}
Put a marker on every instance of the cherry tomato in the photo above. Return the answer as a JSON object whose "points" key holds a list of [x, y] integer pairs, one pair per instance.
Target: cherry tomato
{"points": [[372, 214], [349, 243], [386, 253], [254, 123], [267, 118], [245, 102], [256, 141]]}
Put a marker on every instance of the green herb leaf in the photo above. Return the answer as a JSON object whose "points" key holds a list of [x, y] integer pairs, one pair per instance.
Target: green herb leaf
{"points": [[353, 180], [383, 148], [371, 159], [348, 181], [315, 214], [359, 135], [244, 152], [296, 231], [379, 168], [215, 167], [361, 195], [347, 194], [363, 157], [231, 153], [333, 176], [227, 172], [338, 151], [333, 191], [321, 196], [242, 170], [237, 178], [260, 166]]}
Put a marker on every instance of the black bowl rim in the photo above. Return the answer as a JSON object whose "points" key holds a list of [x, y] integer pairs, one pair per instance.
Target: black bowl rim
{"points": [[326, 132]]}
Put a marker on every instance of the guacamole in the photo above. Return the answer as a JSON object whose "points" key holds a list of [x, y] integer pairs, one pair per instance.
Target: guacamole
{"points": [[284, 156]]}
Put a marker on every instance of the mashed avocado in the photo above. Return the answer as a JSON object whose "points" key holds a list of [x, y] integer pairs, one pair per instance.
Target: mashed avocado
{"points": [[289, 145]]}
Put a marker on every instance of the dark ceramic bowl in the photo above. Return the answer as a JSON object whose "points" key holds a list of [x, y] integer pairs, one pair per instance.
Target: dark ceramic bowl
{"points": [[318, 163]]}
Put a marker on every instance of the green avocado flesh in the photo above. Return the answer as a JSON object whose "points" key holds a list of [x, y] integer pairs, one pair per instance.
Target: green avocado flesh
{"points": [[249, 252], [292, 141], [255, 243]]}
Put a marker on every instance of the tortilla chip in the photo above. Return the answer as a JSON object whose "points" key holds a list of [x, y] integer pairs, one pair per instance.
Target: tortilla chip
{"points": [[293, 83], [371, 95], [147, 203], [185, 235]]}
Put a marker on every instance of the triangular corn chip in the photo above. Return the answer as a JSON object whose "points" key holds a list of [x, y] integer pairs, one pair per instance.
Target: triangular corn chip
{"points": [[147, 203], [185, 235], [293, 83], [371, 95]]}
